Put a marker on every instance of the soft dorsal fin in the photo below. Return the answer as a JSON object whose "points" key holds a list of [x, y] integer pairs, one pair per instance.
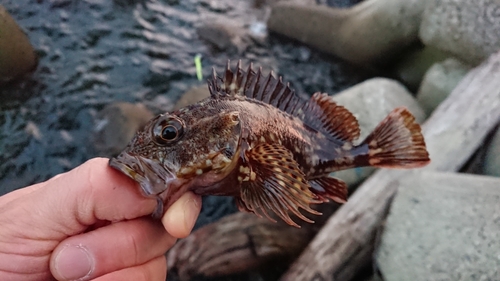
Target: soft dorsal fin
{"points": [[272, 180], [324, 115], [255, 85]]}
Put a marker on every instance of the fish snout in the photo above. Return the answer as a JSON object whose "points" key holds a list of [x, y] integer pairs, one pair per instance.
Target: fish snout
{"points": [[152, 177]]}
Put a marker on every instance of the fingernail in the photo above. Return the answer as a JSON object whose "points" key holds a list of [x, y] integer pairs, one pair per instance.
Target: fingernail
{"points": [[74, 263], [191, 210]]}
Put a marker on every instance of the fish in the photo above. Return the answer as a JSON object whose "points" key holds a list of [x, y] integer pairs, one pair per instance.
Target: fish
{"points": [[255, 139]]}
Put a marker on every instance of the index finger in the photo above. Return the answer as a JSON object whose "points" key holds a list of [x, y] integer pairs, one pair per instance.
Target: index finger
{"points": [[85, 195]]}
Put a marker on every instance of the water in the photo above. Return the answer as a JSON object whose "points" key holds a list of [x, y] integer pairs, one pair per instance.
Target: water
{"points": [[94, 52]]}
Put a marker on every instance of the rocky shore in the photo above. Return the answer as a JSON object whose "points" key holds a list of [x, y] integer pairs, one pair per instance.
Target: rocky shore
{"points": [[438, 58], [429, 46]]}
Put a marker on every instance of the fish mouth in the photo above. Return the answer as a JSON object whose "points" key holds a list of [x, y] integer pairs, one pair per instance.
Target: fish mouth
{"points": [[153, 178]]}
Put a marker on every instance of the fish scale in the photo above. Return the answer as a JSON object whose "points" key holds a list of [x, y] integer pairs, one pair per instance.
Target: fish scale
{"points": [[256, 140]]}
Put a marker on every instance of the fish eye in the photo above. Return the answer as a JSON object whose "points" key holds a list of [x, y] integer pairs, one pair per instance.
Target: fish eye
{"points": [[167, 130], [169, 133]]}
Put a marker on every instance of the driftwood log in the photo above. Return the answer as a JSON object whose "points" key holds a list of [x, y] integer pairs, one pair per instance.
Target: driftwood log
{"points": [[345, 244], [455, 130], [242, 241]]}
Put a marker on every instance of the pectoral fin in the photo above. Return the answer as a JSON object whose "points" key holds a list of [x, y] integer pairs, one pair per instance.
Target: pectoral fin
{"points": [[272, 180]]}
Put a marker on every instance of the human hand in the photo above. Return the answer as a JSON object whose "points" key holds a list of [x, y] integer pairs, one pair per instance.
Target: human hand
{"points": [[90, 223]]}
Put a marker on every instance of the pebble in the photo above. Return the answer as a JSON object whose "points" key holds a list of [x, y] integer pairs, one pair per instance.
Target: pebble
{"points": [[116, 125], [224, 34], [193, 95], [439, 81], [411, 65]]}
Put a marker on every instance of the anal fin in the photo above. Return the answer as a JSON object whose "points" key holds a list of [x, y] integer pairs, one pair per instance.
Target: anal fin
{"points": [[272, 180], [329, 188]]}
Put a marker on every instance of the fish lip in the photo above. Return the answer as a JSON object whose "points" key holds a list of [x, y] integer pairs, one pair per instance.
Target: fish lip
{"points": [[153, 178]]}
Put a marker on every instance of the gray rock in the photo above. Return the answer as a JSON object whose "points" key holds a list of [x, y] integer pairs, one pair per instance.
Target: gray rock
{"points": [[368, 33], [17, 56], [224, 34], [116, 125], [467, 29], [442, 226], [194, 95], [492, 159], [371, 101], [439, 81]]}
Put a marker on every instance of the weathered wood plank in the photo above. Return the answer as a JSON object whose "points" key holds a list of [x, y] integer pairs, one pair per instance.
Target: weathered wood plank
{"points": [[453, 132], [240, 242]]}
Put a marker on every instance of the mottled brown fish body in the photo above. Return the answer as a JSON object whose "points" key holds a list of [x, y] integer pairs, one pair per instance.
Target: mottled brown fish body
{"points": [[254, 139]]}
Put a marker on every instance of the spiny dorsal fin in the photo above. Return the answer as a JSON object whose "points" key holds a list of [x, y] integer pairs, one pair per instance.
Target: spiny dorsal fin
{"points": [[320, 112], [329, 188], [214, 86], [272, 180], [324, 115], [255, 85]]}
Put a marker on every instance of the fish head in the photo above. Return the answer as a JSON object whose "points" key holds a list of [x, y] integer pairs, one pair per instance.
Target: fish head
{"points": [[175, 151]]}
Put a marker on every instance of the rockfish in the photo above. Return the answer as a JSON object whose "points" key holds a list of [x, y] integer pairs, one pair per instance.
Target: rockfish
{"points": [[254, 139]]}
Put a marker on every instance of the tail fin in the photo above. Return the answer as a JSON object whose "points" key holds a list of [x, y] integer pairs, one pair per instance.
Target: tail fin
{"points": [[397, 142]]}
